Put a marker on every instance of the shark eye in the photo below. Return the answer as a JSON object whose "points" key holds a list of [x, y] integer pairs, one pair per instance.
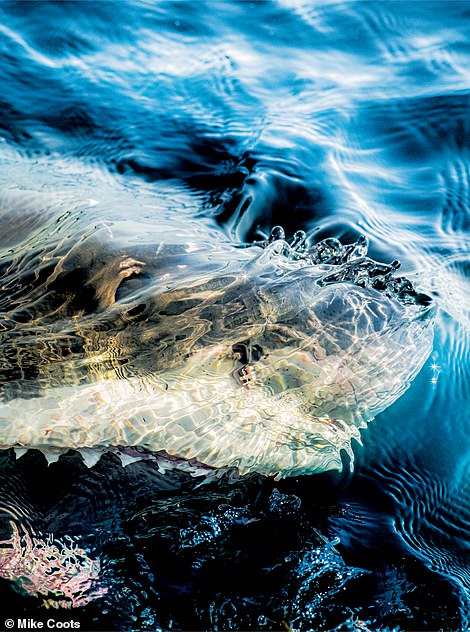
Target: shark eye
{"points": [[241, 351], [256, 353], [247, 352]]}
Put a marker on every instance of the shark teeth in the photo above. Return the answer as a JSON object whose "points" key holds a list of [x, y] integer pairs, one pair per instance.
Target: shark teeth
{"points": [[163, 462], [90, 456], [51, 456], [126, 459], [19, 452]]}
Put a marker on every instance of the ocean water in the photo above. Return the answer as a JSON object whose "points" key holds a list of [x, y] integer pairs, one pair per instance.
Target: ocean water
{"points": [[222, 120]]}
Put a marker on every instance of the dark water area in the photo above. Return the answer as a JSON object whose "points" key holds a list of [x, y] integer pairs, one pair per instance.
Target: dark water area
{"points": [[221, 120]]}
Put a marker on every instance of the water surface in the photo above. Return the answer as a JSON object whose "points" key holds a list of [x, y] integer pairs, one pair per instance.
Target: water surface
{"points": [[222, 120]]}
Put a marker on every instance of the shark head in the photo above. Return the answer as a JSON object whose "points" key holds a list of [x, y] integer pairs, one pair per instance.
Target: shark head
{"points": [[271, 366]]}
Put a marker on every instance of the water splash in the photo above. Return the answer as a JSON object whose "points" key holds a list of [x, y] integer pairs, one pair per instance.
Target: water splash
{"points": [[350, 264]]}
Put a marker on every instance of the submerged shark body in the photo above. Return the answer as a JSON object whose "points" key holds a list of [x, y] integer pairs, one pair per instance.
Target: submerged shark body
{"points": [[261, 359]]}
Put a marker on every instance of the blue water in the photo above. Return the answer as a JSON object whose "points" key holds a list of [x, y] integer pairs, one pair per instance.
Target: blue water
{"points": [[337, 118]]}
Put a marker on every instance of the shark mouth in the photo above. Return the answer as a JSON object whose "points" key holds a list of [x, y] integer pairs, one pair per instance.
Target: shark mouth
{"points": [[62, 571]]}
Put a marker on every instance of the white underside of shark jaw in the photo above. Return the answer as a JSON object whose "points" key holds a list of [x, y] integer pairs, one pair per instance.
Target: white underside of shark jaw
{"points": [[116, 416], [211, 421]]}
